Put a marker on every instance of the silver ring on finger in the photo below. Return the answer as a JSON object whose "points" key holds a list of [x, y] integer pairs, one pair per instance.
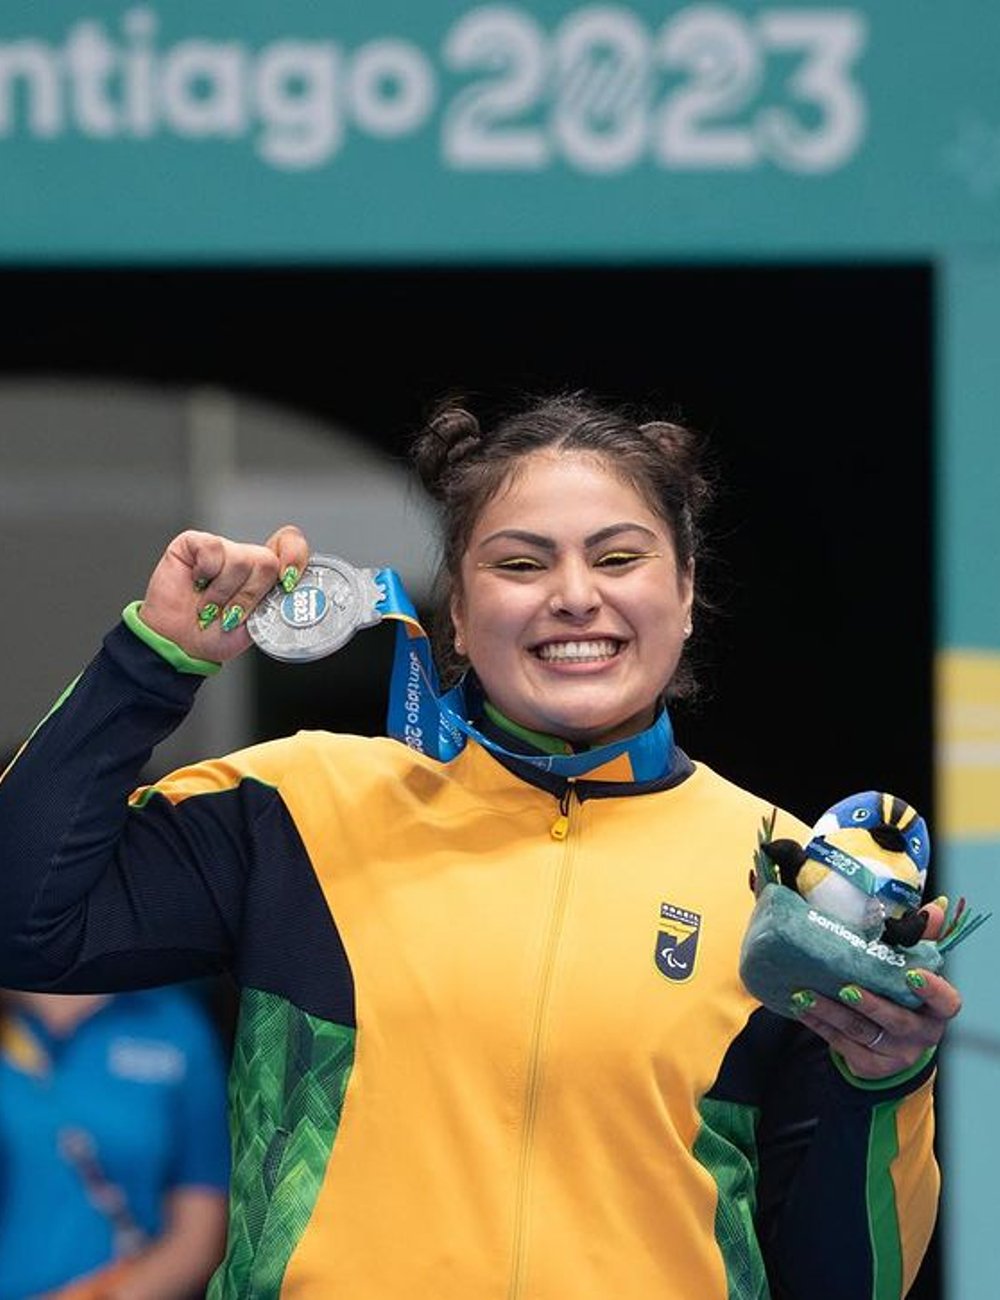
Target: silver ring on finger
{"points": [[874, 1042]]}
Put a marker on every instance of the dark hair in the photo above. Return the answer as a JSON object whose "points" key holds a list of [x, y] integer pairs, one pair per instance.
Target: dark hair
{"points": [[463, 467]]}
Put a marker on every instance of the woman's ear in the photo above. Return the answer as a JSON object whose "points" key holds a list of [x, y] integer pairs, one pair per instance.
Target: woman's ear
{"points": [[458, 624], [686, 581]]}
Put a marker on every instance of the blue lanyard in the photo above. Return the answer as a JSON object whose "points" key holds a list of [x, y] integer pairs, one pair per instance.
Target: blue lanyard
{"points": [[435, 723]]}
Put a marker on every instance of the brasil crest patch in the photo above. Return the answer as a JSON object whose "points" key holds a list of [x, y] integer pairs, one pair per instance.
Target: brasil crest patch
{"points": [[677, 942]]}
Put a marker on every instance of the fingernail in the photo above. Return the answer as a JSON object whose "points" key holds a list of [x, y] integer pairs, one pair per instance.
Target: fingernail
{"points": [[803, 1000], [290, 577], [942, 902], [916, 979], [200, 584], [233, 617], [208, 613], [850, 994]]}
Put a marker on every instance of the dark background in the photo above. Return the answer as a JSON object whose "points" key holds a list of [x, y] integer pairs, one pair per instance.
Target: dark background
{"points": [[813, 385]]}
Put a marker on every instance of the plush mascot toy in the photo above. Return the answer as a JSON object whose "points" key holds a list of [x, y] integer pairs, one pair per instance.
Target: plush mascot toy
{"points": [[844, 908]]}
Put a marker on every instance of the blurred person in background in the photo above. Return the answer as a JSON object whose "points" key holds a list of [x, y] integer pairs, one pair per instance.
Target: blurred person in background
{"points": [[464, 1069], [114, 1155]]}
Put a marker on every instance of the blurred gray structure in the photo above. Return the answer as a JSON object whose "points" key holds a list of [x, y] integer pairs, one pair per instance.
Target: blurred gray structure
{"points": [[95, 479]]}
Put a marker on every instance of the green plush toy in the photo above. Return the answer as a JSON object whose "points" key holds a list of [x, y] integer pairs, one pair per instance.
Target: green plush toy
{"points": [[845, 907]]}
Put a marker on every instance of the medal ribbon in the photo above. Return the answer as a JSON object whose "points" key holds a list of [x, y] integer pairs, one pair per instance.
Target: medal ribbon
{"points": [[434, 722]]}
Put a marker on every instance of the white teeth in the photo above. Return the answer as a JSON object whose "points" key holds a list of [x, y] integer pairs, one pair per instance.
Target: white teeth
{"points": [[578, 651]]}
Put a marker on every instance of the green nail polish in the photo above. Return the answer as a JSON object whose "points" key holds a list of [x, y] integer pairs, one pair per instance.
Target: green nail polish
{"points": [[850, 994], [803, 1000], [916, 979], [290, 577], [200, 584], [233, 617], [208, 614]]}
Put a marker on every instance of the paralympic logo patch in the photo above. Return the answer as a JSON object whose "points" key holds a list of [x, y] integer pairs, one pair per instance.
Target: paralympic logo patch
{"points": [[677, 942]]}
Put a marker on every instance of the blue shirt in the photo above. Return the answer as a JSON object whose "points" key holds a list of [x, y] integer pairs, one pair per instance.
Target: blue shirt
{"points": [[134, 1097]]}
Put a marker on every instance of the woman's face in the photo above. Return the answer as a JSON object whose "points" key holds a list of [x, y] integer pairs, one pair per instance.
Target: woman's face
{"points": [[571, 608]]}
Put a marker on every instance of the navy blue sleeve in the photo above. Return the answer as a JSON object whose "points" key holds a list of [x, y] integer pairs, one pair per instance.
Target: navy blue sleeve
{"points": [[93, 897], [100, 895], [829, 1157]]}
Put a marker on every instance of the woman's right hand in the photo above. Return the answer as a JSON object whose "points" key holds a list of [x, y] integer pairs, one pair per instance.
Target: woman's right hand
{"points": [[205, 587]]}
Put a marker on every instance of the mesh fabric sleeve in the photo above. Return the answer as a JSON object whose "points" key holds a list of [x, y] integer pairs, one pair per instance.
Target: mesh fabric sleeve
{"points": [[98, 895]]}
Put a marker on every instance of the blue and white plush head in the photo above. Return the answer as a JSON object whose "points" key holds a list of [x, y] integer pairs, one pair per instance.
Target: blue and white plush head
{"points": [[867, 860]]}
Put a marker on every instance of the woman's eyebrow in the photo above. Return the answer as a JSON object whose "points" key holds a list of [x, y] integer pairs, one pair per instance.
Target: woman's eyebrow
{"points": [[613, 530], [548, 544], [519, 535]]}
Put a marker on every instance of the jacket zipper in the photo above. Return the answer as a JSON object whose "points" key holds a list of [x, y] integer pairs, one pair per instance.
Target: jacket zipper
{"points": [[560, 827], [560, 832]]}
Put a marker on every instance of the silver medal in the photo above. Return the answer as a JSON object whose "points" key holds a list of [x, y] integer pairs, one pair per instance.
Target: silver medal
{"points": [[332, 600]]}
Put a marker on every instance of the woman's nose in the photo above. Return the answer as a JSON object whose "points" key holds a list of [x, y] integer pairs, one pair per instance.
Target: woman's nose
{"points": [[575, 593]]}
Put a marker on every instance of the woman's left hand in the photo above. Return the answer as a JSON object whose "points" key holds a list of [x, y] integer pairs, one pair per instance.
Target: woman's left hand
{"points": [[877, 1037]]}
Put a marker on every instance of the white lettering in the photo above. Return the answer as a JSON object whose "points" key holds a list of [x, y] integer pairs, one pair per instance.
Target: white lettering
{"points": [[599, 92], [34, 63], [201, 89], [139, 72], [295, 88], [90, 61], [391, 88], [413, 734], [880, 951]]}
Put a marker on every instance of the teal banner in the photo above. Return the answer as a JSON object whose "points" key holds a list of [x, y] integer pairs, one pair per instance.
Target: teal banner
{"points": [[394, 130]]}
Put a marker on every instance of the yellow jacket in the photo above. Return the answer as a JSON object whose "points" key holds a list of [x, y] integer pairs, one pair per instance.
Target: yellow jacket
{"points": [[492, 1044]]}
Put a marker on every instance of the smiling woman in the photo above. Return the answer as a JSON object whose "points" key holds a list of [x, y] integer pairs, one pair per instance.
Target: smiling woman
{"points": [[575, 625], [493, 1039]]}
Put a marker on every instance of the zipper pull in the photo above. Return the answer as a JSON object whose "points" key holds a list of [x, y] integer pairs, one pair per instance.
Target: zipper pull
{"points": [[560, 827]]}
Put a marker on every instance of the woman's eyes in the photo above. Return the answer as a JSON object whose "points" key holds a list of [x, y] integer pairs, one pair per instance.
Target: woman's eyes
{"points": [[518, 564], [616, 559], [610, 560]]}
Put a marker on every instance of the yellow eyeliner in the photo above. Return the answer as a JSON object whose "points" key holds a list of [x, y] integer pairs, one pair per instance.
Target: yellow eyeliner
{"points": [[508, 564], [529, 564]]}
